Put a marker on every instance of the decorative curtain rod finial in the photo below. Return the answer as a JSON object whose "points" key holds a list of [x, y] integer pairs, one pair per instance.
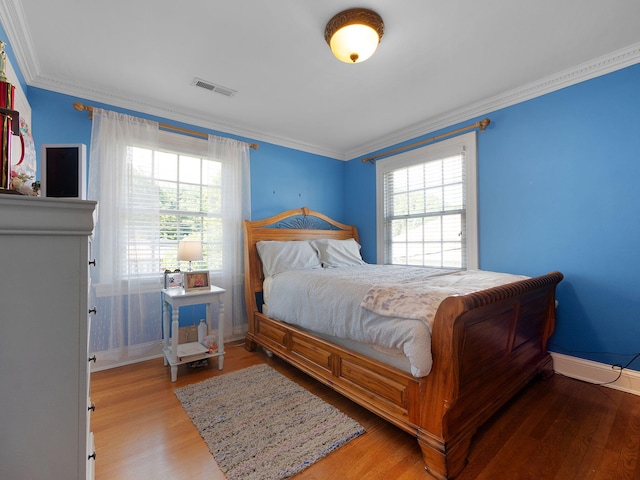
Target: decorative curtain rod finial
{"points": [[84, 108]]}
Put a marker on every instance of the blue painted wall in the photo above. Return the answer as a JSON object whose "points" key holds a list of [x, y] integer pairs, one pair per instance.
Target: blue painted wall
{"points": [[558, 186], [559, 178], [284, 179], [281, 178]]}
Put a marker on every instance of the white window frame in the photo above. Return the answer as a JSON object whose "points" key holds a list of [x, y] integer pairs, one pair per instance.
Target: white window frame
{"points": [[180, 145], [452, 146], [189, 146]]}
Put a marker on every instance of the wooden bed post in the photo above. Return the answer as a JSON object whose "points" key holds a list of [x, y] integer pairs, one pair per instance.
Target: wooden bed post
{"points": [[443, 456]]}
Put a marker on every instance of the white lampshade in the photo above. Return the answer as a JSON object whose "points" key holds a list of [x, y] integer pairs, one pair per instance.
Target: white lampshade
{"points": [[354, 34], [189, 250]]}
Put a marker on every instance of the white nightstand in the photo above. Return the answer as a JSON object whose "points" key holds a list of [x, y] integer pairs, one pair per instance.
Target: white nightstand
{"points": [[177, 297]]}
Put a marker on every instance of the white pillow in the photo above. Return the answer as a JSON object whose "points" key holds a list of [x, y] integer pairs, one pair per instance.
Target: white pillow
{"points": [[283, 256], [338, 253]]}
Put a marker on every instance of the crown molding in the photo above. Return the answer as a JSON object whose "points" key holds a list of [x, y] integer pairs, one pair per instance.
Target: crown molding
{"points": [[17, 30], [594, 68], [13, 21], [177, 115]]}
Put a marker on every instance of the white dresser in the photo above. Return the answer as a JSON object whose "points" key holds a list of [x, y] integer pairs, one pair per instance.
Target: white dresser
{"points": [[44, 328]]}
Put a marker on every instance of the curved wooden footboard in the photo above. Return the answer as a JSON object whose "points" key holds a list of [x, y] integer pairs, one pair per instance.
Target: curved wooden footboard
{"points": [[486, 346]]}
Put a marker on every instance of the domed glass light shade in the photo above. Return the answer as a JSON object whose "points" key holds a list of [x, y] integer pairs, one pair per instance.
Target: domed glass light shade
{"points": [[354, 34]]}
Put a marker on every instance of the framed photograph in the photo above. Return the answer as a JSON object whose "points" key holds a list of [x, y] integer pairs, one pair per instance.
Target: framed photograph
{"points": [[196, 280], [173, 279]]}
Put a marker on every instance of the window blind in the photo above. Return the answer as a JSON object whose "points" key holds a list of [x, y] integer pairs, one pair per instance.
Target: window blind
{"points": [[425, 213], [188, 191]]}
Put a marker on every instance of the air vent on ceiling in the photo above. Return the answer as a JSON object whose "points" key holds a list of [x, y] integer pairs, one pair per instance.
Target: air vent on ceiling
{"points": [[228, 92]]}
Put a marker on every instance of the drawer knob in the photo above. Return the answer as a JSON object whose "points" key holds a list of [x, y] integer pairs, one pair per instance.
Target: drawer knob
{"points": [[93, 310], [92, 456], [92, 408], [92, 262], [93, 359]]}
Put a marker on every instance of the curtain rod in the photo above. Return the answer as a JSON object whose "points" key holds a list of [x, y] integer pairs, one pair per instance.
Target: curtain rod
{"points": [[482, 125], [88, 108]]}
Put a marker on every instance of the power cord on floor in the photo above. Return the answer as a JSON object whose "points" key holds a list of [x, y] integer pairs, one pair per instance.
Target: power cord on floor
{"points": [[617, 366], [621, 369]]}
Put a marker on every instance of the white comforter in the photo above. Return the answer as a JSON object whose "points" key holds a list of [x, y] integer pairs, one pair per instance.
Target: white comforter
{"points": [[383, 305]]}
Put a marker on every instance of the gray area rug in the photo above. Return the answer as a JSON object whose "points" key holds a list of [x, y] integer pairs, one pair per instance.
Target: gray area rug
{"points": [[259, 425]]}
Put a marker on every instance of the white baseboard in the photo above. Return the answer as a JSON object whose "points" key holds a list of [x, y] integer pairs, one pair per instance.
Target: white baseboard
{"points": [[598, 373], [139, 353], [119, 357]]}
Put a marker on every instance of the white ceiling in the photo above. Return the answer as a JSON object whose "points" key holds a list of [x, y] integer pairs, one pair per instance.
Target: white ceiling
{"points": [[440, 62]]}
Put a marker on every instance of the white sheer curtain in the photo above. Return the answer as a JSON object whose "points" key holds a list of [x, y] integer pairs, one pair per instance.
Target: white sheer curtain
{"points": [[236, 206], [125, 281]]}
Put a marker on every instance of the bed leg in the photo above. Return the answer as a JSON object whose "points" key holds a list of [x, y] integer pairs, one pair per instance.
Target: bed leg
{"points": [[546, 370], [250, 345], [443, 461]]}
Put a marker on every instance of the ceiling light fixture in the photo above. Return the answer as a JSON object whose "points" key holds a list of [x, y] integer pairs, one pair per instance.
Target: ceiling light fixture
{"points": [[354, 34]]}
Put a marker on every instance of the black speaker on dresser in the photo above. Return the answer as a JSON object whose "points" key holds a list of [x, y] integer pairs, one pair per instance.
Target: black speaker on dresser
{"points": [[63, 171]]}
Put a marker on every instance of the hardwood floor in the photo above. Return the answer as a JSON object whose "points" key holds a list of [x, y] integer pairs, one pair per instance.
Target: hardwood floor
{"points": [[558, 429]]}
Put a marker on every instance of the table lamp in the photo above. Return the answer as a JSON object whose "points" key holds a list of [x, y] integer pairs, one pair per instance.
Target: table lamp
{"points": [[189, 250]]}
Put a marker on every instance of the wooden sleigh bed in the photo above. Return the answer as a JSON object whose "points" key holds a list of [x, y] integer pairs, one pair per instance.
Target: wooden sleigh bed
{"points": [[485, 347]]}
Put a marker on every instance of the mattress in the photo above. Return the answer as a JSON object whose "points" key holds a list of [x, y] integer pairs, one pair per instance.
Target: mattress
{"points": [[383, 308]]}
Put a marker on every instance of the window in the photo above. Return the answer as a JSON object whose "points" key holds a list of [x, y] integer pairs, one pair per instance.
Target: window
{"points": [[153, 188], [426, 208], [188, 188]]}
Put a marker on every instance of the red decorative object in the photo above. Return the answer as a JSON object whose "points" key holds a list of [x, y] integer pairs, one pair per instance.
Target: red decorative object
{"points": [[9, 122], [6, 103]]}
